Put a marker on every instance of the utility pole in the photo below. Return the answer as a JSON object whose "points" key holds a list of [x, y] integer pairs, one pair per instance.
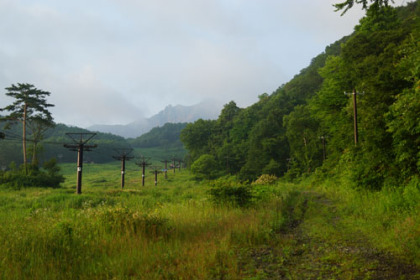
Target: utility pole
{"points": [[80, 140], [165, 161], [123, 155], [173, 162], [155, 171], [143, 163], [356, 131]]}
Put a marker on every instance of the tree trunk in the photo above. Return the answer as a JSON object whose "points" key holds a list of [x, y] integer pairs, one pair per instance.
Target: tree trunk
{"points": [[25, 160]]}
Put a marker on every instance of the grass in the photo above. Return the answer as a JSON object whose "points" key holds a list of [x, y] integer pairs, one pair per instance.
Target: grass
{"points": [[169, 231], [176, 231]]}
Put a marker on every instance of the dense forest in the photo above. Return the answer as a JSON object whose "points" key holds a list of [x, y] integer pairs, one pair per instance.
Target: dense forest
{"points": [[166, 136], [306, 126]]}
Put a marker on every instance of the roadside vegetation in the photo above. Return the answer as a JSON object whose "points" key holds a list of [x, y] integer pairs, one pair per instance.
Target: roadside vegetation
{"points": [[220, 229]]}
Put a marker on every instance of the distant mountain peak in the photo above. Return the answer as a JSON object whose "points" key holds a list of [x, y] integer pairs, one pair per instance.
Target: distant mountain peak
{"points": [[171, 114]]}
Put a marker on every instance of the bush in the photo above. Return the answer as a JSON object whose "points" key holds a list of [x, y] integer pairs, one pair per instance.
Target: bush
{"points": [[229, 191], [205, 167], [17, 179], [265, 179]]}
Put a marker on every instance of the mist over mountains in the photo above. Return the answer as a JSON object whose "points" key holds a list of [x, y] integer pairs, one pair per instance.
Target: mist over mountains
{"points": [[207, 110]]}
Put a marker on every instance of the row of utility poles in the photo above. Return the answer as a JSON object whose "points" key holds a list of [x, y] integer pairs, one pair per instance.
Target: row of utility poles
{"points": [[79, 144]]}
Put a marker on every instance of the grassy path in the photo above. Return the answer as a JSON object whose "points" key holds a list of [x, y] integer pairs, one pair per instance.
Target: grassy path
{"points": [[314, 243]]}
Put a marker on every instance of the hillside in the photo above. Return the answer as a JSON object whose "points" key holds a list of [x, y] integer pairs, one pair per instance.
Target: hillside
{"points": [[306, 125], [165, 136], [52, 145]]}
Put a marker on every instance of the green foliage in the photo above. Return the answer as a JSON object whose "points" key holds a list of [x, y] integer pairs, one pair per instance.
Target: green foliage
{"points": [[272, 168], [164, 137], [403, 119], [30, 108], [205, 167], [231, 192], [304, 139], [197, 137], [265, 179], [376, 5], [17, 178]]}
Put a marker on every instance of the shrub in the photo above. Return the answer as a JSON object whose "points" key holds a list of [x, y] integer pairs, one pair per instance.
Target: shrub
{"points": [[229, 191], [17, 179], [205, 167], [265, 179]]}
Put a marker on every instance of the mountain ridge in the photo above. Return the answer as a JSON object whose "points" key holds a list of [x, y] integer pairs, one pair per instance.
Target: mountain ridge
{"points": [[171, 114]]}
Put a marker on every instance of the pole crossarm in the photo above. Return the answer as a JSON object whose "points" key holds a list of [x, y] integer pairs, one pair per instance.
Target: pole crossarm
{"points": [[156, 168], [80, 137], [123, 154]]}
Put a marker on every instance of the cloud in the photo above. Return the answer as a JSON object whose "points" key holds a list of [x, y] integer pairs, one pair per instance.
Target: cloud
{"points": [[84, 99], [109, 61]]}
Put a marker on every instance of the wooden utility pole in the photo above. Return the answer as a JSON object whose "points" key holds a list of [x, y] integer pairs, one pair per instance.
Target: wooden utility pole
{"points": [[123, 155], [156, 171], [174, 164], [143, 163], [166, 167], [356, 131], [80, 140]]}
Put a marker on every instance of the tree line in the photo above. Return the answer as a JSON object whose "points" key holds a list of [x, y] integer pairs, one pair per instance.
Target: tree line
{"points": [[307, 124]]}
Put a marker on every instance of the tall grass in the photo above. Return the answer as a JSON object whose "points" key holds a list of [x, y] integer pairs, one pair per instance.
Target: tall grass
{"points": [[165, 232], [389, 218]]}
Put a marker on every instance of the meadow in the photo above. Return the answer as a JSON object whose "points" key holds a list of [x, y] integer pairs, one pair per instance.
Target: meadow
{"points": [[177, 230]]}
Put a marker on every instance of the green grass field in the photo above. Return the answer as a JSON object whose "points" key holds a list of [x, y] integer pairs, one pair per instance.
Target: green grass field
{"points": [[176, 231]]}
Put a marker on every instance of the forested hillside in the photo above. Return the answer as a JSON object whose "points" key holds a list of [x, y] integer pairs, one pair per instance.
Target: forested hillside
{"points": [[51, 146], [165, 136], [307, 124]]}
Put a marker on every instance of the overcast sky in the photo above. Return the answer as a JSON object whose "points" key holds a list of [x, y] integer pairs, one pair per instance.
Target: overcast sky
{"points": [[111, 61]]}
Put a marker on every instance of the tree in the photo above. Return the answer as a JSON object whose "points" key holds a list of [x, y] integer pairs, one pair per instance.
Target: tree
{"points": [[348, 4], [197, 137], [403, 119], [30, 106], [303, 137], [205, 167]]}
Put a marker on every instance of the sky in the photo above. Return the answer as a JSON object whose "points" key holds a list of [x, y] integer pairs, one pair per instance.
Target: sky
{"points": [[115, 61]]}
